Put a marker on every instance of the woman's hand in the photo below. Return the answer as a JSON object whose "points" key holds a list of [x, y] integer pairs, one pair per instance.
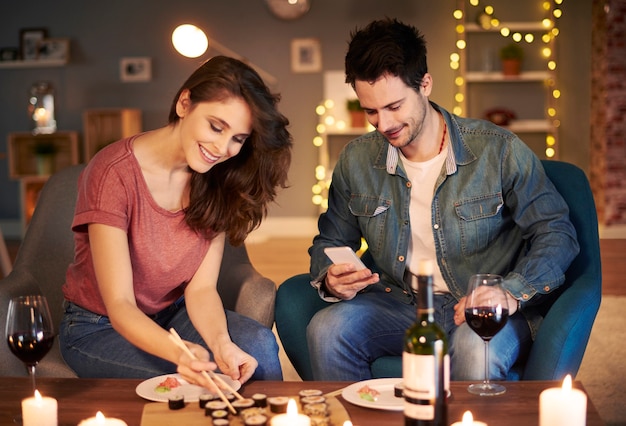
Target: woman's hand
{"points": [[191, 368], [234, 362]]}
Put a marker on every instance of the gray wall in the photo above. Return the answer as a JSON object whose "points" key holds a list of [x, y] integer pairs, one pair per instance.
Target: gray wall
{"points": [[102, 33]]}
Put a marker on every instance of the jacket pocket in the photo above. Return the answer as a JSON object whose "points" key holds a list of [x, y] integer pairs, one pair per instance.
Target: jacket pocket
{"points": [[371, 213], [480, 220]]}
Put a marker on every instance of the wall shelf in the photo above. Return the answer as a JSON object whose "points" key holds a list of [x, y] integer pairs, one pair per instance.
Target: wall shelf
{"points": [[33, 63]]}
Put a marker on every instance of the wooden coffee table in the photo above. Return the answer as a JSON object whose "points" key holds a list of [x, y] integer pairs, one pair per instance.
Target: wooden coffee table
{"points": [[79, 399]]}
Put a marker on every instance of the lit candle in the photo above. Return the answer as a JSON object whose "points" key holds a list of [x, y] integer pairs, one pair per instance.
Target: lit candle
{"points": [[347, 423], [563, 406], [291, 418], [39, 411], [468, 420], [100, 420]]}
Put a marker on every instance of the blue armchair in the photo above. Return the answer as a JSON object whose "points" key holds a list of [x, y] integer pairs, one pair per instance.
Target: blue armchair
{"points": [[569, 315]]}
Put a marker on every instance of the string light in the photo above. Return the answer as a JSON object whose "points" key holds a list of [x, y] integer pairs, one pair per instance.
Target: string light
{"points": [[553, 11]]}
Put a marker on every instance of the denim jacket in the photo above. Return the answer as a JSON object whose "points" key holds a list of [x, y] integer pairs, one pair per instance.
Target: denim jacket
{"points": [[494, 210]]}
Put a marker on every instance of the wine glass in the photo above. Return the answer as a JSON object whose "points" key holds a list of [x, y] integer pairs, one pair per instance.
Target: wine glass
{"points": [[486, 312], [29, 330]]}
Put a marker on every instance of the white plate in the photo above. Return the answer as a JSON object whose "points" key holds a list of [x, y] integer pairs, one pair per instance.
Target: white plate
{"points": [[385, 401], [191, 393]]}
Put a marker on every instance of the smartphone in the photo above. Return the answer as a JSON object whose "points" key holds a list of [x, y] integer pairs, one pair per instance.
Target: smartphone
{"points": [[344, 255]]}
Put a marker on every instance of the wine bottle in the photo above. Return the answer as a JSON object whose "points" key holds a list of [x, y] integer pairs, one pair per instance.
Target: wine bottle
{"points": [[425, 360]]}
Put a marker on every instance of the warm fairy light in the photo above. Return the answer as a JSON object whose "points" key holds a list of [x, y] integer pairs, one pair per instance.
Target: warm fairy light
{"points": [[455, 57], [460, 44], [340, 124], [551, 112], [320, 128], [550, 140], [546, 23], [556, 93], [320, 110], [458, 14], [459, 97], [555, 31], [551, 65], [457, 110], [329, 120], [529, 38], [557, 13], [546, 52], [550, 152], [505, 32], [318, 141], [517, 37], [460, 28], [489, 10], [329, 103], [320, 173], [316, 189], [474, 2], [190, 41]]}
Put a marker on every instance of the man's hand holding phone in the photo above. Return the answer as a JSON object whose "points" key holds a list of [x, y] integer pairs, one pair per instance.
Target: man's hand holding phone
{"points": [[348, 275]]}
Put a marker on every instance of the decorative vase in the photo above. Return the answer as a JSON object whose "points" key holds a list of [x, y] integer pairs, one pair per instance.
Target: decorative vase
{"points": [[357, 118], [511, 66], [45, 164]]}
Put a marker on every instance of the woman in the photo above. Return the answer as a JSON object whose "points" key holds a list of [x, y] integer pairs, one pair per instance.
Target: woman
{"points": [[152, 216]]}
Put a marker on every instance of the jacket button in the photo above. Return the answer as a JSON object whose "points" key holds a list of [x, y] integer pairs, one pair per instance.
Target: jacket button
{"points": [[546, 288], [387, 290], [401, 258], [408, 184], [436, 226], [525, 297]]}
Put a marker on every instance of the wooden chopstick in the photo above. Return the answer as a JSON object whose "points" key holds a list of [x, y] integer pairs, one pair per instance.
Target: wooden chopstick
{"points": [[209, 375], [334, 393]]}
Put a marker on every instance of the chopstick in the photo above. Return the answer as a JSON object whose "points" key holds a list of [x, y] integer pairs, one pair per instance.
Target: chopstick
{"points": [[209, 375], [334, 393]]}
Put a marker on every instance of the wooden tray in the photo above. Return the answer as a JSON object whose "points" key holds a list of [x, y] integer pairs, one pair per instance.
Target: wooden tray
{"points": [[159, 414]]}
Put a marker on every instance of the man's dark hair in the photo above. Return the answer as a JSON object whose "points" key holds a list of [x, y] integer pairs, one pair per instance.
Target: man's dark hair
{"points": [[386, 46]]}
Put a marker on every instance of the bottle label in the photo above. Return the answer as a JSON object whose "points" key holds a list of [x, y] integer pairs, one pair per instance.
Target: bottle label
{"points": [[418, 371]]}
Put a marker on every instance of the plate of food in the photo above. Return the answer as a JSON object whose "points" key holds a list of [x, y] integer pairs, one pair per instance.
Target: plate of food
{"points": [[162, 388], [376, 393]]}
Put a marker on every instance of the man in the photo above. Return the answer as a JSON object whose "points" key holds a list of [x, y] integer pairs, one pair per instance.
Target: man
{"points": [[427, 184]]}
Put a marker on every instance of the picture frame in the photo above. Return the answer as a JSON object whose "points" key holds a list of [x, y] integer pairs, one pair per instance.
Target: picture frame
{"points": [[9, 54], [306, 55], [135, 69], [53, 48], [29, 40]]}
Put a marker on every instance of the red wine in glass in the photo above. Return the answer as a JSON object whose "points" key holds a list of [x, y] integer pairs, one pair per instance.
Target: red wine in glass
{"points": [[486, 313], [486, 321], [29, 330]]}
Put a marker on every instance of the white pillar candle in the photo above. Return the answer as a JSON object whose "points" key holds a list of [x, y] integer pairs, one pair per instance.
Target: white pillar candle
{"points": [[468, 420], [100, 420], [39, 411], [563, 406], [291, 418]]}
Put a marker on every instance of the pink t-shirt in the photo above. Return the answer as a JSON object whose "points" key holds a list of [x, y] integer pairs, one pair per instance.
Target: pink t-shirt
{"points": [[165, 253]]}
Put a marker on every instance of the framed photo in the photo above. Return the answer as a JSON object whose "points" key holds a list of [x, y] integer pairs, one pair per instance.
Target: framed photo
{"points": [[137, 69], [9, 54], [306, 55], [29, 40], [53, 48]]}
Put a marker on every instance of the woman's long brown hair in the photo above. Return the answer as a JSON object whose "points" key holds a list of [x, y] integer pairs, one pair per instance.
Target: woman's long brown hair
{"points": [[233, 196]]}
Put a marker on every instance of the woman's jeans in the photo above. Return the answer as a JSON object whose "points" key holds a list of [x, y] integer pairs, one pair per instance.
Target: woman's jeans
{"points": [[346, 337], [92, 348]]}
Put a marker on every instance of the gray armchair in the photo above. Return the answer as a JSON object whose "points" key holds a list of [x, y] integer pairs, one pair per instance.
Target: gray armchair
{"points": [[48, 248]]}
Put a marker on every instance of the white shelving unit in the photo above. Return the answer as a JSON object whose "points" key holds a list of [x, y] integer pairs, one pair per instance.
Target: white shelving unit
{"points": [[528, 95]]}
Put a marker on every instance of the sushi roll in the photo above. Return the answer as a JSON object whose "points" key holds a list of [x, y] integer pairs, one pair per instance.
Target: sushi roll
{"points": [[214, 406], [250, 412], [310, 392], [221, 422], [278, 404], [320, 421], [176, 402], [257, 420], [398, 390], [320, 409], [242, 404], [260, 400], [219, 414], [312, 400], [205, 398]]}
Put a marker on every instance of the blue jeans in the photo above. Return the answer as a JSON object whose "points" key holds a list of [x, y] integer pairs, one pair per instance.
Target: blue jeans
{"points": [[346, 337], [92, 348]]}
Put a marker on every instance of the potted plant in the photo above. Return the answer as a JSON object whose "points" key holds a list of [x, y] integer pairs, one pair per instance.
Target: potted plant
{"points": [[511, 55], [357, 115], [44, 151]]}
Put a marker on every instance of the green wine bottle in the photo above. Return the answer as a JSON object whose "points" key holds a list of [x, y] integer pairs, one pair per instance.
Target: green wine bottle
{"points": [[425, 360]]}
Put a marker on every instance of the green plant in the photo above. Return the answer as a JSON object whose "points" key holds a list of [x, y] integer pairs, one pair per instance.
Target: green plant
{"points": [[45, 148], [353, 105], [512, 51]]}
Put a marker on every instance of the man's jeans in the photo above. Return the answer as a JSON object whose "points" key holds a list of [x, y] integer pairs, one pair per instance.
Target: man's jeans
{"points": [[92, 348], [346, 337]]}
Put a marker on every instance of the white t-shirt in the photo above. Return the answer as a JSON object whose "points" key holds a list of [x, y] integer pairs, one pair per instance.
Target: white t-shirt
{"points": [[423, 176]]}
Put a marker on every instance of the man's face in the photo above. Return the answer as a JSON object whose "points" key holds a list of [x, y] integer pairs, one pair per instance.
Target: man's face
{"points": [[396, 110]]}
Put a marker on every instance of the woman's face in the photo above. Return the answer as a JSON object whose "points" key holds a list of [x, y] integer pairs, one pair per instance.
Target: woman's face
{"points": [[212, 132]]}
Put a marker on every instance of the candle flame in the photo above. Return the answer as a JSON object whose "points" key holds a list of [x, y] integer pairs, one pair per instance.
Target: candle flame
{"points": [[468, 419], [292, 408], [38, 398], [567, 383], [347, 423], [100, 418]]}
